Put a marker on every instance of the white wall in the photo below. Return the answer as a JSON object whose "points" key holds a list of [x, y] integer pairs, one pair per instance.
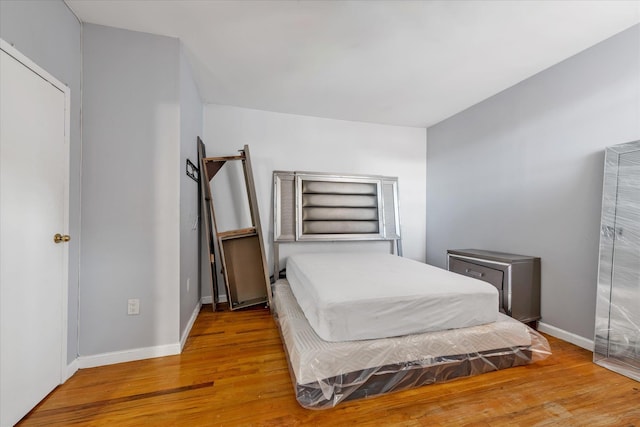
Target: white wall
{"points": [[522, 172], [290, 142], [190, 129], [130, 191], [49, 34]]}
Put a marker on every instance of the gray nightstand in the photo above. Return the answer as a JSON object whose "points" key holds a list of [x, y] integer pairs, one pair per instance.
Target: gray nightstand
{"points": [[517, 278]]}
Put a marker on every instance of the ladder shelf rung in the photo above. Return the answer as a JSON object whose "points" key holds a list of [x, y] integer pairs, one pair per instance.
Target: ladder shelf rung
{"points": [[223, 158], [244, 232]]}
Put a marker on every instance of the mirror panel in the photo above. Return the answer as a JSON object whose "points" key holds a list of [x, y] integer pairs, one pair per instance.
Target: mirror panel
{"points": [[617, 329]]}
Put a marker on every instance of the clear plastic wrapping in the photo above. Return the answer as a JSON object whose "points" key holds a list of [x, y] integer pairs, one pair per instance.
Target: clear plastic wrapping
{"points": [[327, 373], [617, 330]]}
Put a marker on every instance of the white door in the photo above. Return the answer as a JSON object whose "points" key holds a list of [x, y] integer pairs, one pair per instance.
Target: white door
{"points": [[34, 162]]}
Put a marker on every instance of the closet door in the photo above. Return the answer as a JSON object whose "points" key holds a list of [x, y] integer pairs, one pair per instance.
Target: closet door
{"points": [[34, 162]]}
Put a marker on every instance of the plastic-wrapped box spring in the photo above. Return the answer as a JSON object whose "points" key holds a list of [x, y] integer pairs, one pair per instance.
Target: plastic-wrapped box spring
{"points": [[327, 373]]}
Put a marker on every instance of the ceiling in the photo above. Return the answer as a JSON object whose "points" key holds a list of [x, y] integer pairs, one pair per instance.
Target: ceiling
{"points": [[409, 63]]}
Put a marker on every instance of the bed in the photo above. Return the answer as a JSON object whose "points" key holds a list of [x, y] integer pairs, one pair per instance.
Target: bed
{"points": [[357, 324]]}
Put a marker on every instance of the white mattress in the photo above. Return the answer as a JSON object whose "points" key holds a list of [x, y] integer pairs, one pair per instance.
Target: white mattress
{"points": [[313, 359], [356, 296]]}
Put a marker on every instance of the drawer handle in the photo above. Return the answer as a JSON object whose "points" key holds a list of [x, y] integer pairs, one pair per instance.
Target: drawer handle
{"points": [[474, 273]]}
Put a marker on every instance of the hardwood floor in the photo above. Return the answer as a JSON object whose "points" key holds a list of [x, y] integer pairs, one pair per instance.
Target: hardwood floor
{"points": [[233, 372]]}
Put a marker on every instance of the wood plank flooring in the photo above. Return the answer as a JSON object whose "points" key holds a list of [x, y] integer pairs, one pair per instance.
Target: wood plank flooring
{"points": [[233, 372]]}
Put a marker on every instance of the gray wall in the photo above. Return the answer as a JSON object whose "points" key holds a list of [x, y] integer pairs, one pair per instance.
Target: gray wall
{"points": [[130, 190], [49, 34], [291, 142], [190, 129], [522, 172], [142, 114]]}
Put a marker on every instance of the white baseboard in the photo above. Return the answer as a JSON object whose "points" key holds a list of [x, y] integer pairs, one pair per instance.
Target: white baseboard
{"points": [[128, 355], [208, 299], [72, 368], [111, 358], [583, 342], [83, 362], [187, 330]]}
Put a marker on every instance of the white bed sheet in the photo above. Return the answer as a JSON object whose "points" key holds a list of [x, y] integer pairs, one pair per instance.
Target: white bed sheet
{"points": [[313, 359], [357, 296]]}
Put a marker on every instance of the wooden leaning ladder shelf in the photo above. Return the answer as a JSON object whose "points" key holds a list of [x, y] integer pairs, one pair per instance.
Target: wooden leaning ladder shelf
{"points": [[241, 252]]}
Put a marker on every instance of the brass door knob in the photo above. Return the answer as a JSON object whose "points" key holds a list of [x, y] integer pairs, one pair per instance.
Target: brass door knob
{"points": [[59, 238]]}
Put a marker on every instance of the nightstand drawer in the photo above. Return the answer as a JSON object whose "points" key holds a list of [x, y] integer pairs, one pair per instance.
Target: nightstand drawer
{"points": [[489, 275]]}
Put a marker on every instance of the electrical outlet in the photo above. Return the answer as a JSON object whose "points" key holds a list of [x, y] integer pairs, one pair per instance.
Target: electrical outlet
{"points": [[133, 306]]}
